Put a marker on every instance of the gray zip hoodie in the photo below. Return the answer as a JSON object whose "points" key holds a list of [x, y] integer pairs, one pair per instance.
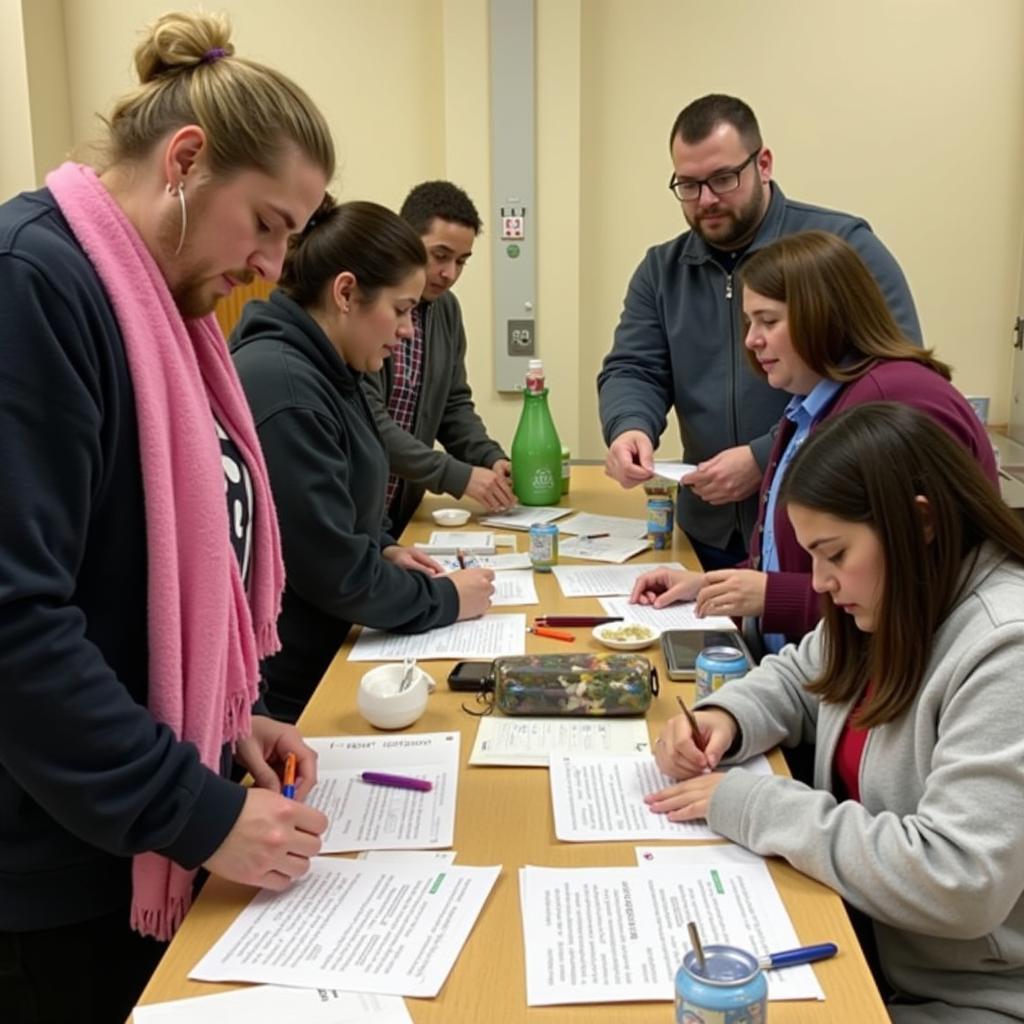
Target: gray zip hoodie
{"points": [[934, 852]]}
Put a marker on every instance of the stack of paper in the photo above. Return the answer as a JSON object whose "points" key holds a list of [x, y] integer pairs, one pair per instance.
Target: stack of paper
{"points": [[451, 542], [600, 935]]}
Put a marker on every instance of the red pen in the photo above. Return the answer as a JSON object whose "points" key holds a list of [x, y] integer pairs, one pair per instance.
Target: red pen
{"points": [[575, 620], [554, 634]]}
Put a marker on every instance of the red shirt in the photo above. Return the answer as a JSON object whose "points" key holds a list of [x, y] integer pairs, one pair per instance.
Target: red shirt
{"points": [[849, 753]]}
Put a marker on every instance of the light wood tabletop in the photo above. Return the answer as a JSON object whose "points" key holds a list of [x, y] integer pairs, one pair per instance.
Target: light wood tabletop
{"points": [[504, 817]]}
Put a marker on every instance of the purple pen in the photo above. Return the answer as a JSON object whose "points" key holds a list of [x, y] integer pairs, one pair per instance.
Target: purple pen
{"points": [[398, 781]]}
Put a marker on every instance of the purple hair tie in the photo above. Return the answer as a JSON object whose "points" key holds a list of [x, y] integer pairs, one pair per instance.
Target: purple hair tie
{"points": [[211, 56]]}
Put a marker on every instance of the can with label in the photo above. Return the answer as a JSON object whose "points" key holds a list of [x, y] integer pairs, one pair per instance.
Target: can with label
{"points": [[729, 988], [716, 666], [659, 522], [543, 546]]}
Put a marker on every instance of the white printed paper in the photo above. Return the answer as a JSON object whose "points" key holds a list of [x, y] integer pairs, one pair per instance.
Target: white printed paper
{"points": [[596, 799], [616, 526], [491, 636], [417, 857], [599, 581], [514, 587], [357, 925], [530, 741], [364, 816], [275, 1004], [631, 923], [512, 560], [717, 855], [522, 517], [676, 616], [673, 471], [602, 549], [468, 540]]}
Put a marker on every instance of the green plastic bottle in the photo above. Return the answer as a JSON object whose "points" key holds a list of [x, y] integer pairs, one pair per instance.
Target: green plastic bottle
{"points": [[536, 449]]}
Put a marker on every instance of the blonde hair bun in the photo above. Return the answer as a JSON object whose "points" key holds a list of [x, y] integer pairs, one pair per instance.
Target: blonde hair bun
{"points": [[182, 39]]}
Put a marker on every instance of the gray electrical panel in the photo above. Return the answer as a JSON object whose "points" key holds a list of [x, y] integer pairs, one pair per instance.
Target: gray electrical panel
{"points": [[512, 225]]}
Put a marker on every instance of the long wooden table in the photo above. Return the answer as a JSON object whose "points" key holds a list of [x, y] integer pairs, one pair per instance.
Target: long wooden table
{"points": [[504, 817]]}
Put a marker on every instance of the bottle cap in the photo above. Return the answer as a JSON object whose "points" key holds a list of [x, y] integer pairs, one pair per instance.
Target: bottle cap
{"points": [[535, 364]]}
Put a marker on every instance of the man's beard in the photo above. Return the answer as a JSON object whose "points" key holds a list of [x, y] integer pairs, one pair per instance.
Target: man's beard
{"points": [[738, 227], [194, 293]]}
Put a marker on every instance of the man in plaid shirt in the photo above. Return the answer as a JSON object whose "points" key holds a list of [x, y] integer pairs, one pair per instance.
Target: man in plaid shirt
{"points": [[421, 395]]}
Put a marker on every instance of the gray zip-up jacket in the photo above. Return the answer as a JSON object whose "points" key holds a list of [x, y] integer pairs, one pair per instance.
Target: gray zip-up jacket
{"points": [[934, 852], [680, 343], [444, 412]]}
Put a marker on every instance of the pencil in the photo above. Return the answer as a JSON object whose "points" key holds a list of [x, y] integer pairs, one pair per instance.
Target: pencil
{"points": [[462, 558], [698, 739], [593, 536]]}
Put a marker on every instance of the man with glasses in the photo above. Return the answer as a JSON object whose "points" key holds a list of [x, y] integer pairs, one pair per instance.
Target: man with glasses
{"points": [[680, 337]]}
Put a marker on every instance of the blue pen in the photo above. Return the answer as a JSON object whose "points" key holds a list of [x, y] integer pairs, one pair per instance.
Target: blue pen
{"points": [[792, 957]]}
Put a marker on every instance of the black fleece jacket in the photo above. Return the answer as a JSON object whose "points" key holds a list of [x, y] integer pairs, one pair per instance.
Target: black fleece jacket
{"points": [[87, 777], [328, 471]]}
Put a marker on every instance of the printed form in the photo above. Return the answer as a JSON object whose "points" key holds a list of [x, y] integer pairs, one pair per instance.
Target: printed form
{"points": [[598, 935], [373, 926], [597, 581], [675, 616], [596, 799], [490, 636], [363, 816], [274, 1004], [530, 742]]}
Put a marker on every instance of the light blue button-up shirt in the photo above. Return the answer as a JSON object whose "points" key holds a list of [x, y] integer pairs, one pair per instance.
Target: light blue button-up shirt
{"points": [[804, 411]]}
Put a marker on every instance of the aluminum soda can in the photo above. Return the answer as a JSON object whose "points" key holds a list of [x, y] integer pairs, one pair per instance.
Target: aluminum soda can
{"points": [[543, 546], [729, 989], [715, 666], [659, 522]]}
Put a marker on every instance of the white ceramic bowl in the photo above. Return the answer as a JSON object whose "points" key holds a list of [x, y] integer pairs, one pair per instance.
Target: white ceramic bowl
{"points": [[384, 705], [451, 516], [625, 636]]}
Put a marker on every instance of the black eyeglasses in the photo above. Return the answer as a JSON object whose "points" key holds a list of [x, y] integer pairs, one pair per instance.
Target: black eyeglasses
{"points": [[719, 183]]}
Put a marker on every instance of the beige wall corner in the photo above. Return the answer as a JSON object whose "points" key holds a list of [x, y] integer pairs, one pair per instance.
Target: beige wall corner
{"points": [[17, 170], [49, 99]]}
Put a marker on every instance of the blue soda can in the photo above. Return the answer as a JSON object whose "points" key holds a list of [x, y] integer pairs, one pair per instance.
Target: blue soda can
{"points": [[543, 546], [729, 989], [716, 666], [659, 522]]}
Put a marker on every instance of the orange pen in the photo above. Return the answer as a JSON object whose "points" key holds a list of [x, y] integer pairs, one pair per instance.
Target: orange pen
{"points": [[554, 634], [288, 786]]}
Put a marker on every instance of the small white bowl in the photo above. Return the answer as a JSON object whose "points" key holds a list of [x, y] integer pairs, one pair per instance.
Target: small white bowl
{"points": [[451, 516], [384, 705], [609, 634]]}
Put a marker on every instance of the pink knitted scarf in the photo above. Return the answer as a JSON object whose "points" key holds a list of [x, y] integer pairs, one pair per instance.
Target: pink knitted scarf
{"points": [[205, 637]]}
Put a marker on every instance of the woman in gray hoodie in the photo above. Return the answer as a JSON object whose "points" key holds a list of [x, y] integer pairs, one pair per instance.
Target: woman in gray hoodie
{"points": [[912, 690]]}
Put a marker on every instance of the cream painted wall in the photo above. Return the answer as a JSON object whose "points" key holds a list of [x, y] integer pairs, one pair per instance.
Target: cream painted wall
{"points": [[375, 69], [49, 98], [887, 108], [16, 163]]}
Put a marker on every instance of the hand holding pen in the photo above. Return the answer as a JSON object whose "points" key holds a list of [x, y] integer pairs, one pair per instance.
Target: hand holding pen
{"points": [[690, 746]]}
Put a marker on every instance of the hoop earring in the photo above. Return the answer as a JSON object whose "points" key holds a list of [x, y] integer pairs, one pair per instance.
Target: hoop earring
{"points": [[184, 213]]}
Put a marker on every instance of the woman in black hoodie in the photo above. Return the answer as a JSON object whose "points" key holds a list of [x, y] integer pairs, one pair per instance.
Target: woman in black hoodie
{"points": [[350, 282]]}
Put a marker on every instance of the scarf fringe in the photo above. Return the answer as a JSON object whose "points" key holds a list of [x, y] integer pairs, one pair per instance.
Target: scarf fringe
{"points": [[160, 923]]}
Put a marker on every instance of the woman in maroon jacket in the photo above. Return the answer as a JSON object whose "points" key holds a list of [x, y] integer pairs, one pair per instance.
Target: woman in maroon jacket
{"points": [[818, 327]]}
